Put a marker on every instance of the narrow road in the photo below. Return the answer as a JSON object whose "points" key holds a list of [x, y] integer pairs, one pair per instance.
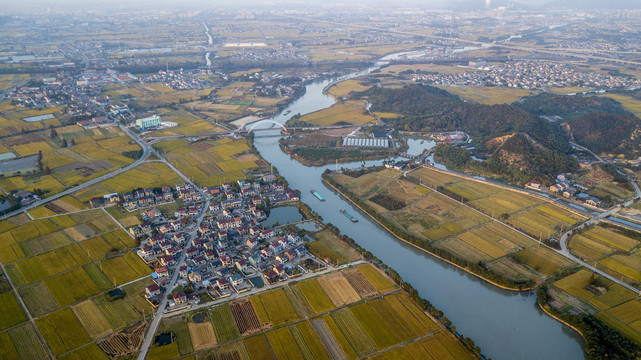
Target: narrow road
{"points": [[264, 288], [163, 303], [563, 241], [146, 151]]}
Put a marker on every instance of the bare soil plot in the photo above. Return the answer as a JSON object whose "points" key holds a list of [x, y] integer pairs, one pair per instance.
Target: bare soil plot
{"points": [[360, 283], [338, 289], [246, 317], [124, 342], [202, 335]]}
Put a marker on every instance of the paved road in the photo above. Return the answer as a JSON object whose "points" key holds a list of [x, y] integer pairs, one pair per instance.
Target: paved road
{"points": [[146, 151], [563, 241], [265, 288], [163, 303]]}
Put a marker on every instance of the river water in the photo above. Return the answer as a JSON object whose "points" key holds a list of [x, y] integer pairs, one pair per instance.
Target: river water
{"points": [[505, 324]]}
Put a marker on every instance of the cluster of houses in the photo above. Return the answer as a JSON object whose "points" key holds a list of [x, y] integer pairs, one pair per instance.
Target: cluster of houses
{"points": [[568, 189], [138, 199], [231, 253]]}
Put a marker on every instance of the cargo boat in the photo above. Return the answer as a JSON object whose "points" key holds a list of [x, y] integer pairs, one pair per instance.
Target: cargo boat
{"points": [[318, 196], [349, 216]]}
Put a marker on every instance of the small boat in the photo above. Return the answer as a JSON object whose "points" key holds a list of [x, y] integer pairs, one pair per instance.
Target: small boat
{"points": [[349, 216], [287, 112], [318, 196]]}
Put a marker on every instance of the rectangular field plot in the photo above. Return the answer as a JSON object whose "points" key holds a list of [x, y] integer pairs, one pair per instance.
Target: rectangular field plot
{"points": [[588, 248], [92, 319], [245, 317], [202, 335], [283, 344], [627, 312], [71, 286], [374, 325], [536, 222], [12, 312], [434, 178], [315, 296], [504, 202], [90, 351], [26, 343], [38, 298], [349, 327], [337, 334], [616, 267], [274, 307], [62, 331], [472, 190], [124, 269], [542, 259], [616, 294], [338, 289], [374, 277], [224, 324], [51, 263], [308, 342], [6, 346], [337, 245], [258, 348]]}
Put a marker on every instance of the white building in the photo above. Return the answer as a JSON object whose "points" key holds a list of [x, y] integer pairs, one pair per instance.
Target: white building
{"points": [[148, 122]]}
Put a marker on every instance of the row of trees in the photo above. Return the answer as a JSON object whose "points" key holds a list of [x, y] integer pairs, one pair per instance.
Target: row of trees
{"points": [[476, 268]]}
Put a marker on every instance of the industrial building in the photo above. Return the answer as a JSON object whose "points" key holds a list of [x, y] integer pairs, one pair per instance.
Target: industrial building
{"points": [[148, 122], [376, 143]]}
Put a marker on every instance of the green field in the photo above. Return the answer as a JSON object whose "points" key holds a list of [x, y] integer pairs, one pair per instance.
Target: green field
{"points": [[224, 324]]}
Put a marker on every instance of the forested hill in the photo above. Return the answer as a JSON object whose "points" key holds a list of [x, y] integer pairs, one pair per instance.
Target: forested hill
{"points": [[426, 108], [607, 133], [567, 106]]}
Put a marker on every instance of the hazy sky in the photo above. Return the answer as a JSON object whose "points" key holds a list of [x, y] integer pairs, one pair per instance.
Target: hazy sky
{"points": [[40, 5]]}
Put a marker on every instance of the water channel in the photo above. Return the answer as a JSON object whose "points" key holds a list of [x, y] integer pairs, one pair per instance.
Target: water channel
{"points": [[505, 324]]}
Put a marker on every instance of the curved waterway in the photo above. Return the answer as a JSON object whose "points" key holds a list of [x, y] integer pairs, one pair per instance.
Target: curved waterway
{"points": [[505, 324]]}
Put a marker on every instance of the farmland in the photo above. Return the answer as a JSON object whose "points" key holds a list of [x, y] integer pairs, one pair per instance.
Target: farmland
{"points": [[441, 220], [148, 175], [611, 303], [613, 250], [12, 313], [60, 283], [489, 95], [327, 245], [343, 88], [62, 331], [339, 326], [70, 156], [210, 162], [348, 112]]}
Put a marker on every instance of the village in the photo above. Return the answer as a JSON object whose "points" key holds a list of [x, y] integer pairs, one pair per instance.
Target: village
{"points": [[232, 252]]}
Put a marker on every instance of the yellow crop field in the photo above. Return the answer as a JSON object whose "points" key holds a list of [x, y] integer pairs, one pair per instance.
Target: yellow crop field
{"points": [[343, 88], [145, 175], [209, 162], [629, 103], [32, 148], [349, 112], [489, 95]]}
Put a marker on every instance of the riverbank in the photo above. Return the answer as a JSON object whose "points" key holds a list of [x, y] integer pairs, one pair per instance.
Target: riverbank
{"points": [[425, 250], [330, 160]]}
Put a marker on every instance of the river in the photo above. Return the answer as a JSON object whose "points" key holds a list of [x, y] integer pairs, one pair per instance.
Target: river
{"points": [[505, 324]]}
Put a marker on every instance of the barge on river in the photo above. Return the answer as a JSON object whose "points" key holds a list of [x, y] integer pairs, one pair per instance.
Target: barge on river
{"points": [[349, 216], [318, 196]]}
